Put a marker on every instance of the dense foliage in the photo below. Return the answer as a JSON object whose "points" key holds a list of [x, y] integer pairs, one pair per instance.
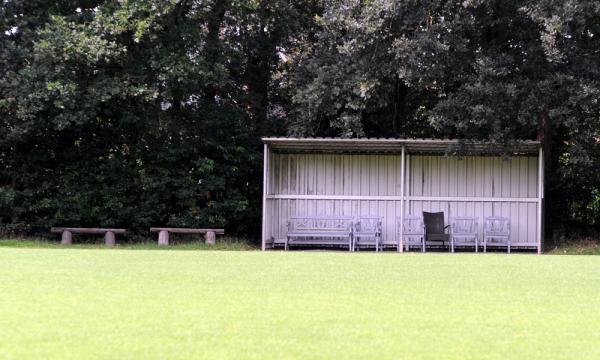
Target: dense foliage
{"points": [[491, 70], [135, 113]]}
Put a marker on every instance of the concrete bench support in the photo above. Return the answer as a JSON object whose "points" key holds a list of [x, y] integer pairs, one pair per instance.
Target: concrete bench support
{"points": [[209, 234], [67, 234], [66, 238], [210, 237], [109, 238], [163, 237]]}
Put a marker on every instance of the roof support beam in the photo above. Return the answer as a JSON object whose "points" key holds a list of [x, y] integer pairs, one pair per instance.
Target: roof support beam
{"points": [[540, 200], [402, 180], [377, 145], [265, 189]]}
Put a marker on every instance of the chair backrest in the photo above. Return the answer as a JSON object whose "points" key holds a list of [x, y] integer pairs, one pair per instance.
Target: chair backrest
{"points": [[496, 225], [464, 225], [434, 222], [369, 224], [321, 223], [413, 225]]}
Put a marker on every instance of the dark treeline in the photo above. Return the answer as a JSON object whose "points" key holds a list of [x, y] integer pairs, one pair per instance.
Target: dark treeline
{"points": [[141, 113]]}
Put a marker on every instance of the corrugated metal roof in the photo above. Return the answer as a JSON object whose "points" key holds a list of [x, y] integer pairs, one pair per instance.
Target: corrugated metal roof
{"points": [[394, 145]]}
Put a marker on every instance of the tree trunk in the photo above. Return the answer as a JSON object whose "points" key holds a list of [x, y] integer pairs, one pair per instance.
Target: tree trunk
{"points": [[545, 137]]}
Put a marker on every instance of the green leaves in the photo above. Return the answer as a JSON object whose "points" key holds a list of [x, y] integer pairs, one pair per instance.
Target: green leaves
{"points": [[491, 70], [137, 113], [134, 113]]}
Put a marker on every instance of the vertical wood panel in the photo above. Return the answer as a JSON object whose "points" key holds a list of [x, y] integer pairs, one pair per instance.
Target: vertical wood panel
{"points": [[469, 176], [418, 176], [488, 173], [523, 176], [515, 169], [436, 175], [390, 220], [532, 177], [275, 173], [283, 174]]}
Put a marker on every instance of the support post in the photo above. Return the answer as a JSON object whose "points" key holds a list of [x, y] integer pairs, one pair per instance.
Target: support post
{"points": [[66, 238], [401, 240], [210, 237], [109, 238], [407, 190], [540, 230], [163, 237], [265, 190]]}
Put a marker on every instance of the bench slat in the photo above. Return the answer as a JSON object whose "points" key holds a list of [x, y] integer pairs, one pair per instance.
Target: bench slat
{"points": [[320, 242], [86, 230], [319, 234], [187, 230]]}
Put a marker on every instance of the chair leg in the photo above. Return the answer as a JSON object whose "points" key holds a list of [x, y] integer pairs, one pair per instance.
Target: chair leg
{"points": [[509, 246], [476, 246], [286, 246], [451, 245]]}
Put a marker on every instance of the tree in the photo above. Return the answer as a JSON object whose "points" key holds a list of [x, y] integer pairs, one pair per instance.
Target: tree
{"points": [[134, 113], [494, 70]]}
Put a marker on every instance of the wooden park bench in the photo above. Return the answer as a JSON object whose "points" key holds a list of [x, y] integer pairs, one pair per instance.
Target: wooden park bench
{"points": [[67, 234], [163, 233], [320, 230]]}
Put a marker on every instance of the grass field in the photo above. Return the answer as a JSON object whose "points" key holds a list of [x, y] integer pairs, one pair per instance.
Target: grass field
{"points": [[223, 243], [155, 304]]}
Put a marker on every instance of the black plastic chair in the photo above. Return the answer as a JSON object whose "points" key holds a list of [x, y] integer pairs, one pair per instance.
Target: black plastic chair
{"points": [[435, 230]]}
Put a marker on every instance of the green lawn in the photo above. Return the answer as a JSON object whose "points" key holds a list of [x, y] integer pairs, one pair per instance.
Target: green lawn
{"points": [[155, 304], [223, 243]]}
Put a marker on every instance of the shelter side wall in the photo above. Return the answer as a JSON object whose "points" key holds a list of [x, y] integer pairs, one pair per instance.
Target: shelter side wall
{"points": [[334, 174], [464, 182], [283, 209], [523, 215], [474, 176]]}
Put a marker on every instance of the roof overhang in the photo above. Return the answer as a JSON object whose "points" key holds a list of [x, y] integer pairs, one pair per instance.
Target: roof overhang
{"points": [[393, 145]]}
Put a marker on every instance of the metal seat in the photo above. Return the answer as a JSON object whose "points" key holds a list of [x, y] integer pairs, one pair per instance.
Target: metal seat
{"points": [[435, 230], [368, 231], [464, 232], [413, 232], [496, 232]]}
